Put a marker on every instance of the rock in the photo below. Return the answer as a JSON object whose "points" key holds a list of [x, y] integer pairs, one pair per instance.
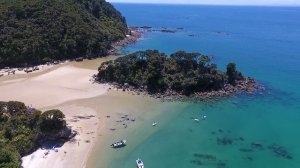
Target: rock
{"points": [[245, 150], [224, 141], [63, 134], [257, 146], [280, 152]]}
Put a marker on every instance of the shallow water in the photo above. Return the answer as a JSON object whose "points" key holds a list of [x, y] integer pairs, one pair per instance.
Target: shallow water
{"points": [[264, 42]]}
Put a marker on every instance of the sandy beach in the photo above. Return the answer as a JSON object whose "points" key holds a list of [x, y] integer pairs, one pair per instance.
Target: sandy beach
{"points": [[98, 114], [52, 89], [65, 86], [75, 152]]}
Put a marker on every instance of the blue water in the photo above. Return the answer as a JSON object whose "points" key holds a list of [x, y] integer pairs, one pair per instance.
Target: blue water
{"points": [[265, 44]]}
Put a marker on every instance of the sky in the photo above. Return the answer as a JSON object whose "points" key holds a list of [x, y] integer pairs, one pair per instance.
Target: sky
{"points": [[219, 2]]}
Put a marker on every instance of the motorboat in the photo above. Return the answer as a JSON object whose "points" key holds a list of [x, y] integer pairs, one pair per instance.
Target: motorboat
{"points": [[154, 124], [139, 163], [119, 144]]}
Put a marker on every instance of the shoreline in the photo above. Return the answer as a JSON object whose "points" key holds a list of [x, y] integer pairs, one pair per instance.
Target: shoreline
{"points": [[245, 86], [56, 86], [132, 37], [144, 110], [53, 89], [74, 152]]}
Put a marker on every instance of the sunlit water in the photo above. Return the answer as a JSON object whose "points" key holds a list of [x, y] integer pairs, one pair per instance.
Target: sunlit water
{"points": [[265, 44]]}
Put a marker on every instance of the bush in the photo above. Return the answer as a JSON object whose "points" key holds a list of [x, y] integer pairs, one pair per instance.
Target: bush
{"points": [[20, 130], [182, 72], [15, 107], [52, 120], [9, 159]]}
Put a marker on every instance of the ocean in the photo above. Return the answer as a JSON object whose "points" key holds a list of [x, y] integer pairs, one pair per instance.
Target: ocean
{"points": [[242, 131]]}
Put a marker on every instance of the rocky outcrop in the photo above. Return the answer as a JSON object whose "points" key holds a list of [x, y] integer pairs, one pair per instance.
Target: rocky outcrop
{"points": [[133, 35], [64, 134], [247, 86]]}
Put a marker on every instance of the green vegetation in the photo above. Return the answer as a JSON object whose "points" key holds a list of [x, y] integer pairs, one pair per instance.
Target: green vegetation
{"points": [[233, 74], [37, 31], [182, 72], [52, 120], [21, 130]]}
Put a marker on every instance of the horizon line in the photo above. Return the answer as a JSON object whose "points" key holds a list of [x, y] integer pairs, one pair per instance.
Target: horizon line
{"points": [[206, 4]]}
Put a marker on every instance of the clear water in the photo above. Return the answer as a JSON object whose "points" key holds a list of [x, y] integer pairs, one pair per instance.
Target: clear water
{"points": [[265, 44]]}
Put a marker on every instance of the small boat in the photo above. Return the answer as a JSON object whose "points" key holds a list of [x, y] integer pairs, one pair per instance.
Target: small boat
{"points": [[204, 117], [154, 124], [119, 144], [139, 163], [196, 119]]}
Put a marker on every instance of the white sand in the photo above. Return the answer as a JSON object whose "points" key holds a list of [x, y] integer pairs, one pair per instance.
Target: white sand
{"points": [[71, 154], [60, 85], [53, 89]]}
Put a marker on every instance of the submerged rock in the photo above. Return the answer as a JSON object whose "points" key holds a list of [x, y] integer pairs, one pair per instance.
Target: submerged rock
{"points": [[205, 156], [257, 146], [280, 151], [224, 141], [249, 158], [197, 162], [245, 150], [221, 164]]}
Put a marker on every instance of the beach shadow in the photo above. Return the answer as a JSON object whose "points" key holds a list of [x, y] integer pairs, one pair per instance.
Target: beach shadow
{"points": [[52, 145]]}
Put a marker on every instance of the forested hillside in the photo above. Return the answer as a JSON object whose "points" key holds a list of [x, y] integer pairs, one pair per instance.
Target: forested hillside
{"points": [[36, 31]]}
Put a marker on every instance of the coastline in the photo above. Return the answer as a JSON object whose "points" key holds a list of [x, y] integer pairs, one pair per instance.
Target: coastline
{"points": [[86, 106], [73, 153], [245, 86], [143, 109], [132, 37], [54, 88]]}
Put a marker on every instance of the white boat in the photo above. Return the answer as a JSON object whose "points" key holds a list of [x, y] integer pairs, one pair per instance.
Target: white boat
{"points": [[154, 124], [139, 163], [196, 119], [119, 144]]}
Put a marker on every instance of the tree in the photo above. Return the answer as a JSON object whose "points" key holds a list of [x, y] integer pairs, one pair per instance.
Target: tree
{"points": [[51, 121], [8, 159], [15, 107], [20, 130], [182, 72], [232, 74], [37, 31]]}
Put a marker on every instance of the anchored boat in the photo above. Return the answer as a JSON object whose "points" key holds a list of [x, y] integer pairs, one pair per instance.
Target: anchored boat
{"points": [[139, 163], [119, 144]]}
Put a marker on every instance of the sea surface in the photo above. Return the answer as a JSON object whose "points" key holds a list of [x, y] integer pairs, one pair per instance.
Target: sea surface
{"points": [[242, 131]]}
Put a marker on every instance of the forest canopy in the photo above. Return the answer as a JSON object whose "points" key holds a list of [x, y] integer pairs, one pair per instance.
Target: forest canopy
{"points": [[181, 72], [36, 31]]}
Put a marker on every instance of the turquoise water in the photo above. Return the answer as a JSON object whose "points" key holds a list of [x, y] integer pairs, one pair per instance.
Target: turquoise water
{"points": [[265, 44]]}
